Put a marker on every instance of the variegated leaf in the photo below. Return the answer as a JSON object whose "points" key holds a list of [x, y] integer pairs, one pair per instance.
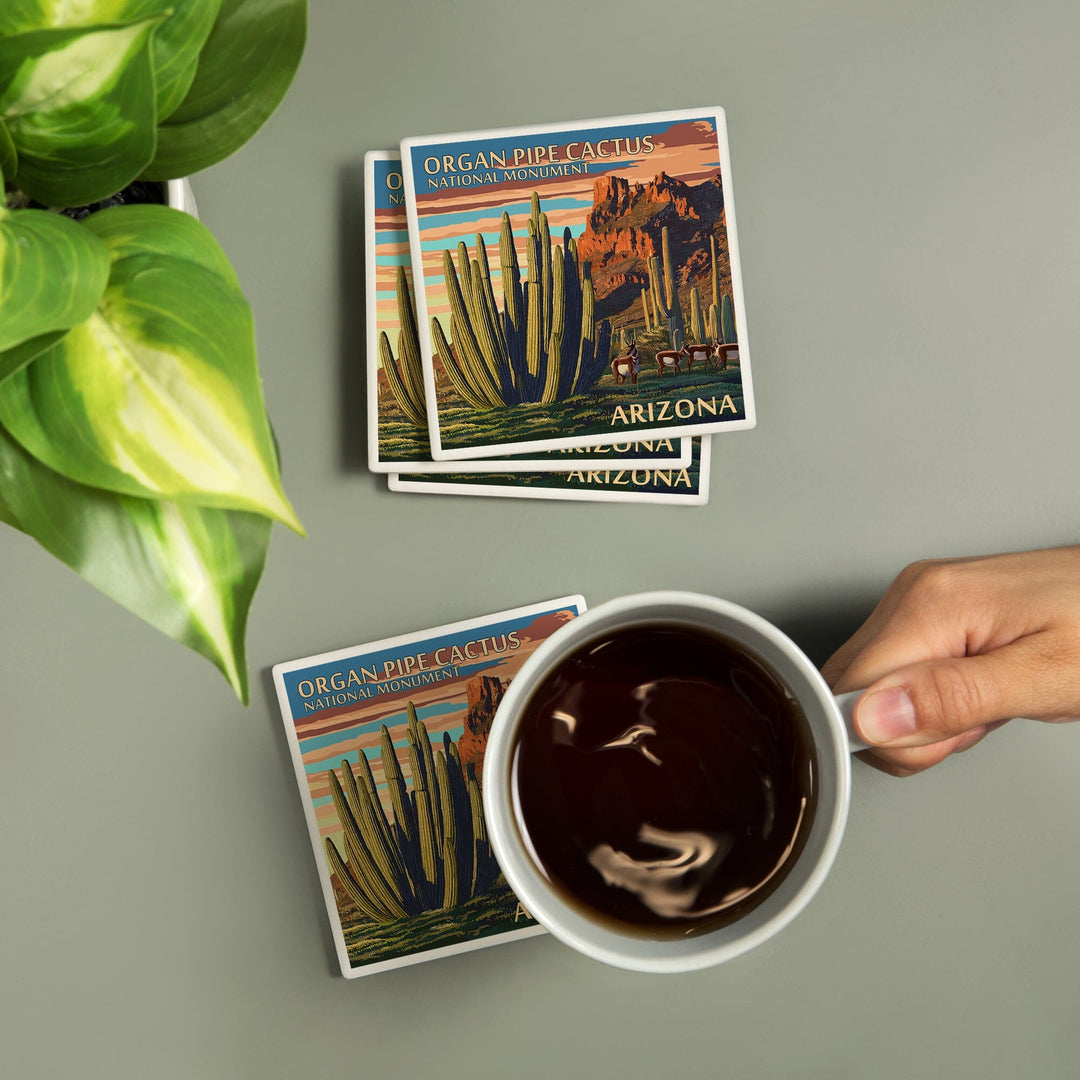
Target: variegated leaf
{"points": [[14, 359], [245, 68], [79, 107], [9, 157], [53, 272], [188, 570], [157, 394], [145, 229], [176, 44]]}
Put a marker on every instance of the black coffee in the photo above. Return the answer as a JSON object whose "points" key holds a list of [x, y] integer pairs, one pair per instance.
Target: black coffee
{"points": [[664, 779]]}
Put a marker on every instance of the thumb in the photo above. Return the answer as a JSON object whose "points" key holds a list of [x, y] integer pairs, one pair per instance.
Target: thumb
{"points": [[938, 699]]}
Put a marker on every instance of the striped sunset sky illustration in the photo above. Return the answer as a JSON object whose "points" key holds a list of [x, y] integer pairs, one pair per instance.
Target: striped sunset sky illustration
{"points": [[686, 149]]}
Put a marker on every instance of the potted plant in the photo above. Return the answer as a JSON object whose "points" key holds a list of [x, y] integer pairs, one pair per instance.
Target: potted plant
{"points": [[134, 441]]}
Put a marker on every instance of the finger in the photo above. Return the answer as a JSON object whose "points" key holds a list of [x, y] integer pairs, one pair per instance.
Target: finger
{"points": [[898, 640], [906, 638], [933, 609], [935, 700], [909, 760], [835, 668]]}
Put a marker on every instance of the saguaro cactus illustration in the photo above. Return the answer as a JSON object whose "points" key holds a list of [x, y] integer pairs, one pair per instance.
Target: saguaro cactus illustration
{"points": [[727, 320], [720, 322], [406, 384], [712, 323], [433, 853], [715, 271], [665, 292], [544, 345], [713, 317], [697, 321]]}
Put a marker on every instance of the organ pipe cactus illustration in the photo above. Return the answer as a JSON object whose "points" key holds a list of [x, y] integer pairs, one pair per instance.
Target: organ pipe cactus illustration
{"points": [[543, 346], [645, 310], [432, 852], [404, 376], [665, 292]]}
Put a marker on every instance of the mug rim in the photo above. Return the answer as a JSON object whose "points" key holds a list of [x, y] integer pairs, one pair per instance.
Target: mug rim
{"points": [[635, 951]]}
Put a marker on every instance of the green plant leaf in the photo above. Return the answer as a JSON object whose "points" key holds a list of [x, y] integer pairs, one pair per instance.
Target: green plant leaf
{"points": [[7, 515], [244, 70], [176, 44], [12, 360], [53, 272], [79, 107], [157, 394], [188, 570], [9, 157], [145, 229]]}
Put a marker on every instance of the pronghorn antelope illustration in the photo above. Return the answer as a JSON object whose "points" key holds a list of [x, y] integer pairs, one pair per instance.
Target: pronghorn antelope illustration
{"points": [[722, 352], [698, 352], [626, 366], [671, 359]]}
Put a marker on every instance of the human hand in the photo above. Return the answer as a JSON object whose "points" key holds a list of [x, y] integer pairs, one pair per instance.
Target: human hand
{"points": [[956, 647]]}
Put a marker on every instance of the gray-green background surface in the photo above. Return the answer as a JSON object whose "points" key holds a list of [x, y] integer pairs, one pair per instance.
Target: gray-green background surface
{"points": [[907, 178]]}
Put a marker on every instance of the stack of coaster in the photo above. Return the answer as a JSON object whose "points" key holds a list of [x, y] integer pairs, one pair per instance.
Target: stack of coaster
{"points": [[556, 312]]}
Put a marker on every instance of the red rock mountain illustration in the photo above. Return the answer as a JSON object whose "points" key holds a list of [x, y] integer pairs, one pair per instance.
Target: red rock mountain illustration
{"points": [[484, 693], [624, 229]]}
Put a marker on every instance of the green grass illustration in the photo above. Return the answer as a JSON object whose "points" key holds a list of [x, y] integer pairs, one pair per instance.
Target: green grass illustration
{"points": [[590, 413], [496, 912]]}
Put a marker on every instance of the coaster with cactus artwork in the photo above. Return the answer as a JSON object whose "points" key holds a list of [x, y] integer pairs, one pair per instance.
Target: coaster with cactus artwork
{"points": [[589, 482], [387, 741], [398, 437], [614, 307]]}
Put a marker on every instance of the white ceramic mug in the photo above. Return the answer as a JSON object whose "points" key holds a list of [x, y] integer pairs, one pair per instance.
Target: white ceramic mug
{"points": [[834, 741]]}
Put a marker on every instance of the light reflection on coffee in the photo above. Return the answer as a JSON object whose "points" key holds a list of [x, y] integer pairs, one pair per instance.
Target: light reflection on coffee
{"points": [[663, 779]]}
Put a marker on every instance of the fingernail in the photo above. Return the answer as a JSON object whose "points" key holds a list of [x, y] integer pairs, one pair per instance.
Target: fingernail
{"points": [[885, 715]]}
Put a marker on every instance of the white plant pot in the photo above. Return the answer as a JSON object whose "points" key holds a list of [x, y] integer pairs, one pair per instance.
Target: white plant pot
{"points": [[178, 195]]}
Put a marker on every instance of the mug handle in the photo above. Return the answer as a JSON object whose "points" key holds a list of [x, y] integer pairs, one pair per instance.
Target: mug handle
{"points": [[846, 704]]}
